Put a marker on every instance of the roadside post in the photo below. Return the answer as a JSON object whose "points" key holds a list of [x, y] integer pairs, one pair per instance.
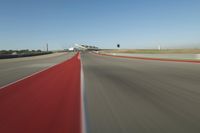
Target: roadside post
{"points": [[118, 45]]}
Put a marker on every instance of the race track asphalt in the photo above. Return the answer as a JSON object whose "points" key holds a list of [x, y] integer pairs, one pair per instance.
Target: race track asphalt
{"points": [[121, 95], [141, 96], [14, 69]]}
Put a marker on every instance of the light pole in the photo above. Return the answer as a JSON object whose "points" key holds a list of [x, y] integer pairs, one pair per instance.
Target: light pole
{"points": [[47, 46]]}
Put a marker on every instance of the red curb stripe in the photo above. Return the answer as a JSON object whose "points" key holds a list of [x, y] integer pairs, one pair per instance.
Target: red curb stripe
{"points": [[48, 102], [157, 59]]}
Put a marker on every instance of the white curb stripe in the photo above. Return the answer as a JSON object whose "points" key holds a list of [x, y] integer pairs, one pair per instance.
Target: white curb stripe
{"points": [[83, 113]]}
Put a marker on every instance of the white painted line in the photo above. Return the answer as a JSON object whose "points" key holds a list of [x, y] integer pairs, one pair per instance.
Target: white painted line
{"points": [[32, 74], [198, 56], [83, 113]]}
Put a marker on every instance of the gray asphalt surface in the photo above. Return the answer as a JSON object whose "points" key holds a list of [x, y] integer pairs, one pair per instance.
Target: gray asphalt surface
{"points": [[139, 96], [15, 69]]}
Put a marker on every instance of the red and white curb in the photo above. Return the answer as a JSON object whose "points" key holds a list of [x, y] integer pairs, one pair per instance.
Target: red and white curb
{"points": [[153, 59], [51, 100]]}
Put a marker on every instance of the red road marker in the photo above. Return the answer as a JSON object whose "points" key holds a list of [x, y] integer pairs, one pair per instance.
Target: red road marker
{"points": [[146, 58], [48, 102]]}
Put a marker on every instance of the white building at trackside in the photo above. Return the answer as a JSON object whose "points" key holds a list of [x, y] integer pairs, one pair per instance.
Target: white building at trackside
{"points": [[71, 49], [82, 47]]}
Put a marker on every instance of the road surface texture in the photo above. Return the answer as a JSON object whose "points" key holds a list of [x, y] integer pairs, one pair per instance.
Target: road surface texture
{"points": [[47, 102], [17, 68], [141, 96]]}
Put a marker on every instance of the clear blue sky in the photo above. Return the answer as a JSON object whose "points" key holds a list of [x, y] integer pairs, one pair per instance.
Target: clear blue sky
{"points": [[30, 24]]}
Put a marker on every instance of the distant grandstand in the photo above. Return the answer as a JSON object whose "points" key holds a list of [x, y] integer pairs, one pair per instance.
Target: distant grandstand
{"points": [[78, 47]]}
